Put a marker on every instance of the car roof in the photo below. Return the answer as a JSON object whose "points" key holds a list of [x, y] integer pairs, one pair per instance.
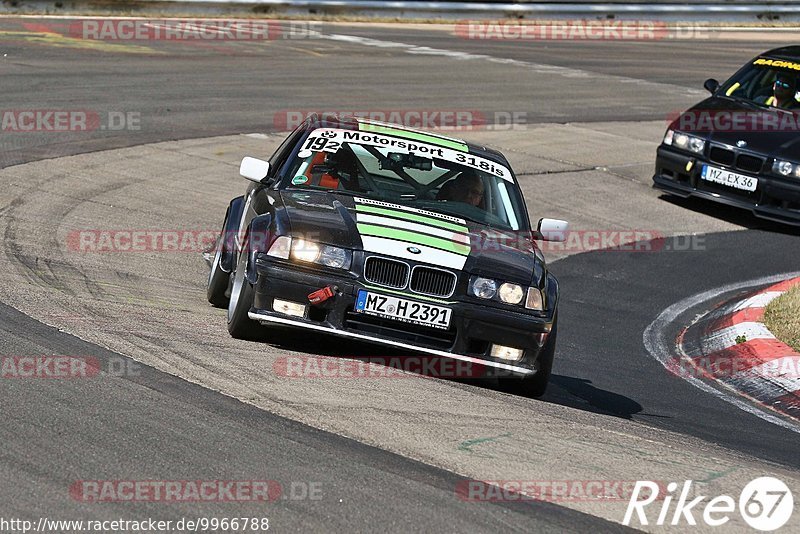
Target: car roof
{"points": [[784, 52], [352, 123]]}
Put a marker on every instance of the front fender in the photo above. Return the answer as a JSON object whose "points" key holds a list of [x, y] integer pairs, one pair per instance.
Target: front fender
{"points": [[551, 295], [228, 243], [260, 235]]}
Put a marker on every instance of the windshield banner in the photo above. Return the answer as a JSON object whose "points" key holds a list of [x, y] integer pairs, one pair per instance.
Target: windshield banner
{"points": [[331, 139]]}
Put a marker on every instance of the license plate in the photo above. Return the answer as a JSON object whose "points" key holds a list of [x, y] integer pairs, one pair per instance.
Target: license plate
{"points": [[731, 179], [407, 311]]}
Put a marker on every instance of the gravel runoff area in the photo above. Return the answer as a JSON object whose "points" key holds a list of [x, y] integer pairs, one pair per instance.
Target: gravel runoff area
{"points": [[782, 317]]}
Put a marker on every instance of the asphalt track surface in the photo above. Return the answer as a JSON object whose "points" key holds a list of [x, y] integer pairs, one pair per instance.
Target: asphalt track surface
{"points": [[155, 424]]}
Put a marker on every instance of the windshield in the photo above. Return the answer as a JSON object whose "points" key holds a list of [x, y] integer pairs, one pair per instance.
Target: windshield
{"points": [[768, 82], [443, 177]]}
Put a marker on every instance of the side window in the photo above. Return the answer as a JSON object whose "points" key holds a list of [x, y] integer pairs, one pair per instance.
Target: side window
{"points": [[282, 153]]}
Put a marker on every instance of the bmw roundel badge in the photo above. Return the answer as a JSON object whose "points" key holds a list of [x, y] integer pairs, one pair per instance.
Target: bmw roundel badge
{"points": [[413, 250]]}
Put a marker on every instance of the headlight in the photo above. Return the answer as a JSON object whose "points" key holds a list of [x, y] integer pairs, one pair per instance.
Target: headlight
{"points": [[299, 249], [305, 250], [507, 293], [328, 255], [336, 257], [484, 288], [534, 300], [511, 293], [685, 141], [786, 168]]}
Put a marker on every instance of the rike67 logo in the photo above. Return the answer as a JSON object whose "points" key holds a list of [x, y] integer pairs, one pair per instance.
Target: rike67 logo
{"points": [[765, 504]]}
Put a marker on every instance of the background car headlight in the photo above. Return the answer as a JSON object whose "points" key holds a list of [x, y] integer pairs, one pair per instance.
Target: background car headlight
{"points": [[786, 168], [687, 142], [534, 300], [484, 288], [668, 137], [511, 293]]}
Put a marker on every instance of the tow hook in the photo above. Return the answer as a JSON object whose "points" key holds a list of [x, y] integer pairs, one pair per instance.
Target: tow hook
{"points": [[321, 295]]}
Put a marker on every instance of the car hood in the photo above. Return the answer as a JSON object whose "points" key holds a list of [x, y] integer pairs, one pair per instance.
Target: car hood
{"points": [[412, 234], [766, 131]]}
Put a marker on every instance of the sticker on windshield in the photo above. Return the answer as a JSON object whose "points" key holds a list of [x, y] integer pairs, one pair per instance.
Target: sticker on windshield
{"points": [[330, 140], [778, 63], [299, 179]]}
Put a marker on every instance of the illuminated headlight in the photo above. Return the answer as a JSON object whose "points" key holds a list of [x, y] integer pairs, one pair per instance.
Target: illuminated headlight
{"points": [[511, 293], [668, 137], [305, 250], [534, 300], [484, 288], [299, 249], [786, 168], [686, 142], [311, 252]]}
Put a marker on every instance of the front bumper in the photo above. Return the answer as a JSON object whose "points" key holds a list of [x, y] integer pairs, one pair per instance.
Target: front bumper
{"points": [[473, 328], [775, 199]]}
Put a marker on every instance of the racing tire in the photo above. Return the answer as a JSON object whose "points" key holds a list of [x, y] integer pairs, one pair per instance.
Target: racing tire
{"points": [[240, 326], [535, 386], [218, 280]]}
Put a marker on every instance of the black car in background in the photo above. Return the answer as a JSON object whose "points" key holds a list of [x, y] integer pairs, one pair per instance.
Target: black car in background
{"points": [[379, 233], [741, 146]]}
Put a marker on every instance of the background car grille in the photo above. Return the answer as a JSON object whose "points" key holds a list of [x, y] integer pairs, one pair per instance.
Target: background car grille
{"points": [[433, 282], [385, 272], [742, 162], [722, 156], [749, 163]]}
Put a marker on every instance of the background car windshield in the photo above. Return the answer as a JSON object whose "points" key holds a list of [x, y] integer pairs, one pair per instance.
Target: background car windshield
{"points": [[757, 83], [392, 175]]}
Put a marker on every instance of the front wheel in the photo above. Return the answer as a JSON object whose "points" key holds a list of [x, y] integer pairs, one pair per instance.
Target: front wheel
{"points": [[536, 385], [240, 325]]}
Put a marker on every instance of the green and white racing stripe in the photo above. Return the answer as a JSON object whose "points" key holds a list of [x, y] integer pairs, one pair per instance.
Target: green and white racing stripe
{"points": [[392, 229]]}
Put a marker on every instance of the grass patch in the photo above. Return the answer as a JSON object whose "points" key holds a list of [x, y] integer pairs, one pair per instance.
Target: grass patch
{"points": [[782, 317]]}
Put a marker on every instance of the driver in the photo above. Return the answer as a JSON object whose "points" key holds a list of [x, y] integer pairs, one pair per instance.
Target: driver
{"points": [[467, 187], [783, 91], [341, 169]]}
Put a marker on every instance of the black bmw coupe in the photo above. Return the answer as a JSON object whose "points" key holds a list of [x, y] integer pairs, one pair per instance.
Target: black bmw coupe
{"points": [[741, 146]]}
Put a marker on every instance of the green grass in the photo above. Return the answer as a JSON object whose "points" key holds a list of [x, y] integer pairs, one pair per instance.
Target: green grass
{"points": [[782, 317]]}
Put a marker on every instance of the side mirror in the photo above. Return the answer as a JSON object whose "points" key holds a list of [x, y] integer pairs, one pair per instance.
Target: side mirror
{"points": [[553, 229], [711, 85], [254, 169]]}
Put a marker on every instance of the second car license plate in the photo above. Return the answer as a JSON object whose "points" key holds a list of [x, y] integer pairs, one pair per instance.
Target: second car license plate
{"points": [[731, 179], [404, 310]]}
